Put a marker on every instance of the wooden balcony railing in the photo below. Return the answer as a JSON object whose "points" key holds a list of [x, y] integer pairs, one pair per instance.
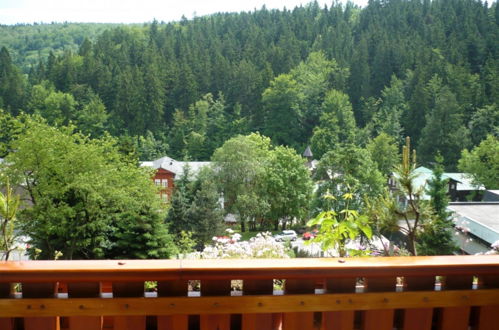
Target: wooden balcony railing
{"points": [[460, 292]]}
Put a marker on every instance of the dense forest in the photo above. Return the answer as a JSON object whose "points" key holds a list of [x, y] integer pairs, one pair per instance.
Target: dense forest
{"points": [[315, 76]]}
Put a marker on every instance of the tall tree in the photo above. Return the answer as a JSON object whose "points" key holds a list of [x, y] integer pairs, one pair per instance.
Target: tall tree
{"points": [[348, 169], [288, 185], [482, 162], [206, 211], [12, 90], [383, 150], [282, 113], [88, 201], [405, 210], [239, 167], [444, 131], [436, 238], [337, 125]]}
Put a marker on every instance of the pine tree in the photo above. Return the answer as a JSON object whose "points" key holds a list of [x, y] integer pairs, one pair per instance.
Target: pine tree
{"points": [[436, 238]]}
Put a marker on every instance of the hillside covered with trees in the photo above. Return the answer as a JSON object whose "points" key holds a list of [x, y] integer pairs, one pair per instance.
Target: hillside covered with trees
{"points": [[321, 76]]}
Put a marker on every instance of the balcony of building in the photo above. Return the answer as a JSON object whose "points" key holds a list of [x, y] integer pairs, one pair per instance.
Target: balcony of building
{"points": [[451, 292]]}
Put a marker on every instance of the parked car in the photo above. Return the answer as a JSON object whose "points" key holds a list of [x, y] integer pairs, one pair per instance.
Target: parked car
{"points": [[286, 235], [310, 234]]}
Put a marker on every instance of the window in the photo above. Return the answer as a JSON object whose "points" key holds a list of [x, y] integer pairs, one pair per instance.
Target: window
{"points": [[164, 182], [164, 197], [157, 182]]}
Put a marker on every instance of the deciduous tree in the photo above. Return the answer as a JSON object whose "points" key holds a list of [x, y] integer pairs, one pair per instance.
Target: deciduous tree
{"points": [[86, 199]]}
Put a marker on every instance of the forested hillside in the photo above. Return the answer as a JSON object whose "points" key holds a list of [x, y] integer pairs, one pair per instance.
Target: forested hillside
{"points": [[321, 76]]}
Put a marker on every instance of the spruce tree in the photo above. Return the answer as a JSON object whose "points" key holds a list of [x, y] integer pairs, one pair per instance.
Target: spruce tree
{"points": [[436, 238]]}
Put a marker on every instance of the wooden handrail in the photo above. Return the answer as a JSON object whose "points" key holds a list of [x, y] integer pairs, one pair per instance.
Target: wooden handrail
{"points": [[401, 292], [145, 270]]}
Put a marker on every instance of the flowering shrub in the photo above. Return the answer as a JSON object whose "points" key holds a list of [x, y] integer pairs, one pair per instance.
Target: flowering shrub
{"points": [[263, 245]]}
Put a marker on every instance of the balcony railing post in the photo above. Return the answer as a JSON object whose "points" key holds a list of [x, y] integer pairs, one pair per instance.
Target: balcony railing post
{"points": [[418, 318], [488, 315], [259, 321], [40, 290], [129, 290], [211, 288], [455, 318], [176, 288], [299, 320], [381, 319], [343, 320], [84, 290]]}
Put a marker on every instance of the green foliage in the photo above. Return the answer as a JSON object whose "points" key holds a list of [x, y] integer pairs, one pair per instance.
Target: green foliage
{"points": [[392, 105], [403, 209], [384, 152], [282, 113], [9, 205], [178, 214], [185, 243], [485, 121], [151, 147], [344, 170], [239, 170], [337, 124], [288, 186], [87, 200], [436, 238], [444, 131], [261, 183], [205, 212], [338, 227], [482, 163], [10, 127], [12, 84], [273, 71]]}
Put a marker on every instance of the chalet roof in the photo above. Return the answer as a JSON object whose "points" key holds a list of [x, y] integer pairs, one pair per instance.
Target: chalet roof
{"points": [[308, 153], [480, 218], [463, 181], [174, 166]]}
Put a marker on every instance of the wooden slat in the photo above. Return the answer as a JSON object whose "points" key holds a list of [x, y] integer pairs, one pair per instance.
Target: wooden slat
{"points": [[84, 290], [418, 318], [299, 320], [40, 290], [173, 289], [259, 321], [488, 316], [339, 320], [381, 319], [135, 321], [6, 323], [246, 304], [218, 321], [455, 318]]}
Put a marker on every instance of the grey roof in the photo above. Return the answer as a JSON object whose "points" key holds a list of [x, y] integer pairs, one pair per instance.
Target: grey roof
{"points": [[174, 166], [482, 218], [308, 153], [491, 196]]}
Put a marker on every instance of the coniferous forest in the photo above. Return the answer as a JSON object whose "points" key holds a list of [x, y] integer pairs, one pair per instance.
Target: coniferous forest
{"points": [[312, 75]]}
